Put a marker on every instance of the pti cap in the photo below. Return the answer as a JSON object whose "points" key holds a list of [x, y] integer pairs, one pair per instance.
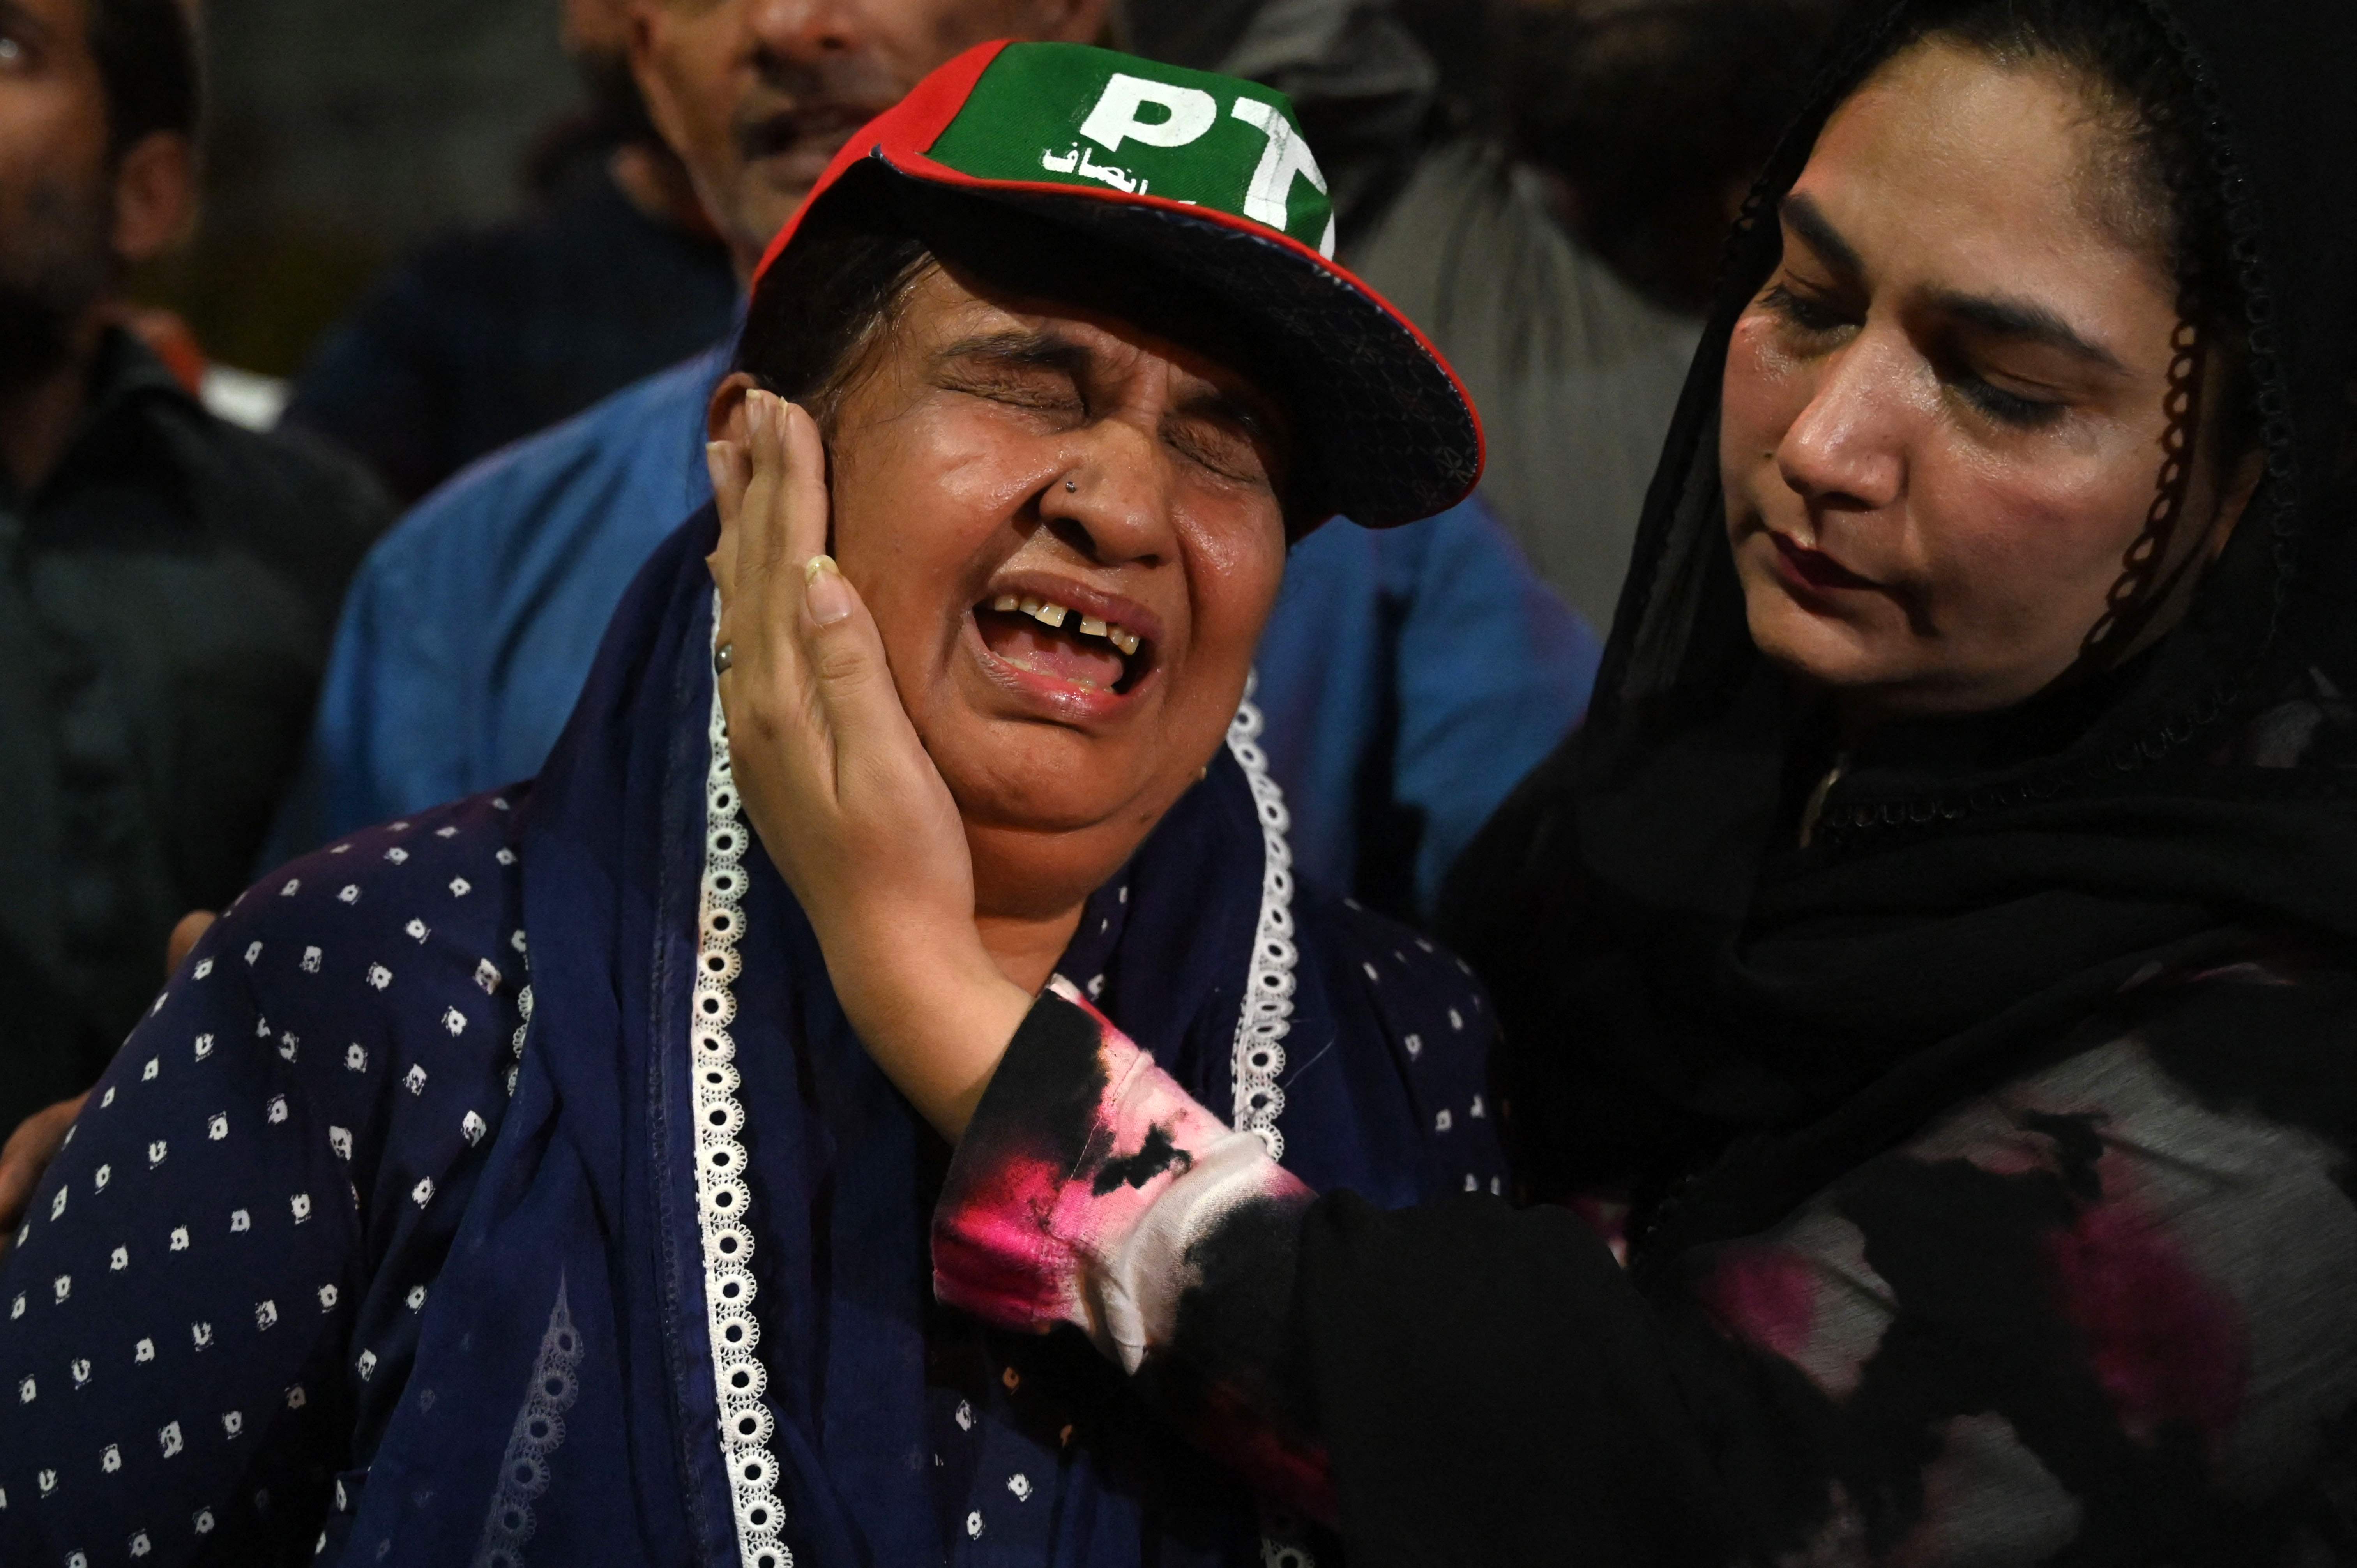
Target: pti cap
{"points": [[1210, 177]]}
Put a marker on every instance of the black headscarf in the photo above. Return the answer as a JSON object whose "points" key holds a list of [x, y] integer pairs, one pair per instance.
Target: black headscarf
{"points": [[1686, 990]]}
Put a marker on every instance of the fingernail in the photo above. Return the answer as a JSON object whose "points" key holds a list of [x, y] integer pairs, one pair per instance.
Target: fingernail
{"points": [[716, 460], [828, 595]]}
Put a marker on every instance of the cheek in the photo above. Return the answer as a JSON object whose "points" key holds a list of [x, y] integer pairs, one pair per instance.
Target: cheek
{"points": [[1763, 391], [1235, 566], [919, 509], [52, 152], [2033, 539], [693, 58]]}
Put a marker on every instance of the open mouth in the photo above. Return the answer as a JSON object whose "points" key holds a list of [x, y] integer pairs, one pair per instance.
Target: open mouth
{"points": [[1046, 639]]}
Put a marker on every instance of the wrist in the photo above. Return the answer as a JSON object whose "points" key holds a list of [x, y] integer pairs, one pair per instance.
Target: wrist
{"points": [[934, 1011]]}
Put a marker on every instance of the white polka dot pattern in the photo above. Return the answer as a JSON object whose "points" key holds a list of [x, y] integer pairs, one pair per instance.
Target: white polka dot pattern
{"points": [[251, 1207]]}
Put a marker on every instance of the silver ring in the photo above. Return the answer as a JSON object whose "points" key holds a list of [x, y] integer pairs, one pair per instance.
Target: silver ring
{"points": [[723, 657]]}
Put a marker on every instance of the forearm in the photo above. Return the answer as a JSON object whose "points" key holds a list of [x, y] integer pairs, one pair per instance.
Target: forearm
{"points": [[936, 1030], [1091, 1190]]}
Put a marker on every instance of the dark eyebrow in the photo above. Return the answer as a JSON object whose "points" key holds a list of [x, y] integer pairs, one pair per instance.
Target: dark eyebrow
{"points": [[1805, 218], [1020, 350], [2017, 319], [2024, 322]]}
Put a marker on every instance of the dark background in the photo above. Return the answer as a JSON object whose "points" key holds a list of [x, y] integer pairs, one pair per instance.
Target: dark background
{"points": [[342, 133]]}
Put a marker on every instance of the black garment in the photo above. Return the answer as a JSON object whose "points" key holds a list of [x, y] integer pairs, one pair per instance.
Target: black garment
{"points": [[1976, 884], [169, 594], [1701, 1013], [484, 339]]}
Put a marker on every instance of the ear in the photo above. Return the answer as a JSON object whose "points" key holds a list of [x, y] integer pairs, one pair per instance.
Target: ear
{"points": [[154, 196], [1076, 21], [725, 419], [645, 22], [597, 27]]}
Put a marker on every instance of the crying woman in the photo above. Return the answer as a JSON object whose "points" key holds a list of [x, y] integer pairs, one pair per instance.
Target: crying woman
{"points": [[507, 1185]]}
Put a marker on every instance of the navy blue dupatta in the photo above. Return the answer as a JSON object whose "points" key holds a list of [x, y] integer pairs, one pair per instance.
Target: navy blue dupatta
{"points": [[576, 1395]]}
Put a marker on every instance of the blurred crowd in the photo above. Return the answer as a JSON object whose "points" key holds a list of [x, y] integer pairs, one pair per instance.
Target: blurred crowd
{"points": [[241, 616]]}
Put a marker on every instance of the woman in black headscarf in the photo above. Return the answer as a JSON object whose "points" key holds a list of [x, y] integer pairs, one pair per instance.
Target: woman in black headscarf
{"points": [[1934, 971]]}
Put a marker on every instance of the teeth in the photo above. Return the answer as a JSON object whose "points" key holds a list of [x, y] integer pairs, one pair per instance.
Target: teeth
{"points": [[1049, 613]]}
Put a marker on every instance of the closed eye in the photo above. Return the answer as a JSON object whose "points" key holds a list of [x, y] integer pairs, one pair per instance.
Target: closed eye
{"points": [[1034, 390], [1231, 450], [1808, 313], [1020, 369], [2005, 407]]}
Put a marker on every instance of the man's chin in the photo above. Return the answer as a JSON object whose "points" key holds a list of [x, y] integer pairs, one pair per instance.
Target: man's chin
{"points": [[37, 337], [778, 183]]}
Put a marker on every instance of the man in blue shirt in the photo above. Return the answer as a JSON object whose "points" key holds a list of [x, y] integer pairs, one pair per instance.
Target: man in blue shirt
{"points": [[1410, 677]]}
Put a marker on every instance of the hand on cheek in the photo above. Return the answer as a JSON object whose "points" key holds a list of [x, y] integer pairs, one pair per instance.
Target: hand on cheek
{"points": [[833, 775]]}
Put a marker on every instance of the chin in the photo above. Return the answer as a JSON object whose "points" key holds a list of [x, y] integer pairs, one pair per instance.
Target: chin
{"points": [[1031, 793], [1818, 648]]}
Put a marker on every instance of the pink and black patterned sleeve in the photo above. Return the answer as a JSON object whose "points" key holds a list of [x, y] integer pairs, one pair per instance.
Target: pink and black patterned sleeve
{"points": [[2104, 1310], [1092, 1190]]}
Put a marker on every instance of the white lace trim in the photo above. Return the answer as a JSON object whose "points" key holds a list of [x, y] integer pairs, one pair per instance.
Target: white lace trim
{"points": [[515, 1042], [1267, 1015], [539, 1432], [723, 1197], [1283, 1551], [724, 1200]]}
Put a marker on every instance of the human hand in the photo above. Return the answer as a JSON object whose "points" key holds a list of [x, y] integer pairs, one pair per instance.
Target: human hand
{"points": [[25, 1159], [839, 785], [30, 1149], [183, 939]]}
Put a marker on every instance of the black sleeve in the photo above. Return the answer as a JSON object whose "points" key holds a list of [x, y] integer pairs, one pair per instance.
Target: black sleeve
{"points": [[1493, 1391]]}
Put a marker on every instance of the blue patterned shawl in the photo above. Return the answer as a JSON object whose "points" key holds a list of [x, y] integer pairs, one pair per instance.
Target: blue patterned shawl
{"points": [[688, 1313]]}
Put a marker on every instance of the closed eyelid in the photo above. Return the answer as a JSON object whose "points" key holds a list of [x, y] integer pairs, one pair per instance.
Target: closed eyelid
{"points": [[1805, 220], [2025, 323], [1016, 351], [1215, 432]]}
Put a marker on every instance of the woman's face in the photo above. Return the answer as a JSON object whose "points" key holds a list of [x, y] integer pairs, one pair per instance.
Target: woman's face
{"points": [[1943, 417], [1069, 534]]}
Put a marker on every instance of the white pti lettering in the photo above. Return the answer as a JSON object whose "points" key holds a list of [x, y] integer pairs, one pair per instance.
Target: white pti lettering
{"points": [[1114, 120], [1288, 158]]}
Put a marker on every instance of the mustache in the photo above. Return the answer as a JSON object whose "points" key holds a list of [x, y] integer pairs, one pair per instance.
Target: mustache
{"points": [[800, 103]]}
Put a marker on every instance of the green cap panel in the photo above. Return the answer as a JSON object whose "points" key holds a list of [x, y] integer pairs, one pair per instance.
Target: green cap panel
{"points": [[1069, 115]]}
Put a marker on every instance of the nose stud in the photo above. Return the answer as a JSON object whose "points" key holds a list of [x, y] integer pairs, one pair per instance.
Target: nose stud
{"points": [[1073, 487]]}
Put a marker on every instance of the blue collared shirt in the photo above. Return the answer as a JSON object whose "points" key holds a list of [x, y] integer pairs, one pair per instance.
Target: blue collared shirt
{"points": [[1410, 677]]}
